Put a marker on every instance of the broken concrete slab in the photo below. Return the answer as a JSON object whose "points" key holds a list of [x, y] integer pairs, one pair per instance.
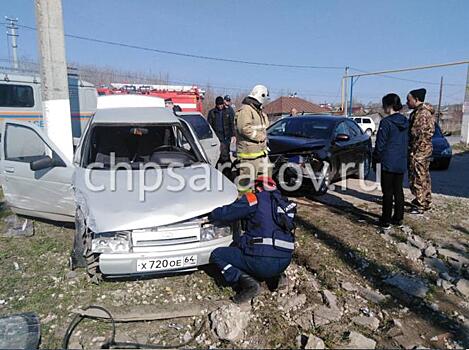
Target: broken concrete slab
{"points": [[18, 227], [444, 284], [349, 287], [372, 323], [409, 251], [314, 343], [436, 265], [463, 287], [330, 299], [408, 284], [229, 322], [323, 315], [450, 254], [293, 302], [371, 295], [304, 320], [417, 242], [430, 251], [359, 341]]}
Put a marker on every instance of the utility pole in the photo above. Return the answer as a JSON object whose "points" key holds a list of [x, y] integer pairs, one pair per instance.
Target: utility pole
{"points": [[11, 33], [54, 81], [344, 91], [439, 100], [465, 117]]}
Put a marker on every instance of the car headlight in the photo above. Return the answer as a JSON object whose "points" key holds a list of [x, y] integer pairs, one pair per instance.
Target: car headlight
{"points": [[111, 242], [447, 151], [210, 232]]}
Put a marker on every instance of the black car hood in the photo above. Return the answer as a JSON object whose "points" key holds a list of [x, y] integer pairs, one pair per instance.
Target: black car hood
{"points": [[290, 144]]}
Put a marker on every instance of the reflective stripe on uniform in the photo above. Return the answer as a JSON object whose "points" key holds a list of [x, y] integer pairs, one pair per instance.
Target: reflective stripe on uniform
{"points": [[252, 199], [253, 155], [278, 243], [226, 268]]}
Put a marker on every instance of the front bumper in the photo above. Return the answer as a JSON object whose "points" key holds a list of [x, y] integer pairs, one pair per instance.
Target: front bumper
{"points": [[114, 265]]}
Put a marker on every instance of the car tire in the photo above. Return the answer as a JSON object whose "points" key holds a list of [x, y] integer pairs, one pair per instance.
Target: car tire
{"points": [[369, 132], [326, 182], [82, 255]]}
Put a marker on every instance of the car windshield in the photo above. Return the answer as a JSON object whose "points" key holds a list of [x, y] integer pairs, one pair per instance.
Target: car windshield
{"points": [[302, 127], [199, 124], [137, 145]]}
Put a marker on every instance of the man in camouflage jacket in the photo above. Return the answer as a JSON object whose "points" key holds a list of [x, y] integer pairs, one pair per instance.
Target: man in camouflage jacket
{"points": [[422, 128]]}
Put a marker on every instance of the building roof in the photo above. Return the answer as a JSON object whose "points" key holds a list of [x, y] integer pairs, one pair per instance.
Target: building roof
{"points": [[284, 104], [135, 115]]}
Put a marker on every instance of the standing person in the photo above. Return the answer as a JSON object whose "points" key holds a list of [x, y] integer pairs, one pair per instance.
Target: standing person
{"points": [[251, 138], [229, 106], [422, 128], [293, 112], [265, 250], [223, 125], [392, 142]]}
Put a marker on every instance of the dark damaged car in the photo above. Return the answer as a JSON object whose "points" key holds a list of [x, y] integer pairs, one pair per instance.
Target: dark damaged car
{"points": [[312, 151]]}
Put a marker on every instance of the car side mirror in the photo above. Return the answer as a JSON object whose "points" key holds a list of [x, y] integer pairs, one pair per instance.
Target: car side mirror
{"points": [[342, 138], [45, 162]]}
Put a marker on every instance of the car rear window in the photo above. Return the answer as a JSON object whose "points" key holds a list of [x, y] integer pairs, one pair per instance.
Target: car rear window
{"points": [[366, 121], [200, 125]]}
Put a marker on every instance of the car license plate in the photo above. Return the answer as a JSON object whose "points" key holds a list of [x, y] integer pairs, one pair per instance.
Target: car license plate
{"points": [[164, 264]]}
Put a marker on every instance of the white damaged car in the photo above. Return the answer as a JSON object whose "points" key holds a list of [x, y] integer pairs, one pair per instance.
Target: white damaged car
{"points": [[139, 191]]}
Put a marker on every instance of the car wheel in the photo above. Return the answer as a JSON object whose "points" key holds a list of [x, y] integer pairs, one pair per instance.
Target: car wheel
{"points": [[81, 254], [326, 182], [77, 258], [369, 132]]}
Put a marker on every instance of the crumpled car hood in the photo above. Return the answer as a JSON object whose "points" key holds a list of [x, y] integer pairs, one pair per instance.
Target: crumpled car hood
{"points": [[119, 210]]}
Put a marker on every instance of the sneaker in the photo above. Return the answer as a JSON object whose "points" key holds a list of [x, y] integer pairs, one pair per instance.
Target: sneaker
{"points": [[398, 224], [384, 225], [416, 210]]}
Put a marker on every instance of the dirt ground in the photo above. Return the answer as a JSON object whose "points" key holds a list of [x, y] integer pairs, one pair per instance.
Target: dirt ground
{"points": [[341, 272]]}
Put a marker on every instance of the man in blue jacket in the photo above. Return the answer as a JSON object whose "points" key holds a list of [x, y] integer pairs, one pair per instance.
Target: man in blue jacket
{"points": [[265, 249], [391, 152]]}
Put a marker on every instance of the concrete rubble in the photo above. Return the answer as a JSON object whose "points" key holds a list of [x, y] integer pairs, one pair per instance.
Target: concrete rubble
{"points": [[18, 227], [408, 284], [314, 343], [359, 341], [409, 250], [463, 287], [229, 322], [370, 322]]}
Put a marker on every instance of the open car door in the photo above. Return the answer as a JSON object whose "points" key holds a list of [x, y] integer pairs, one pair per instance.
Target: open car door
{"points": [[36, 177]]}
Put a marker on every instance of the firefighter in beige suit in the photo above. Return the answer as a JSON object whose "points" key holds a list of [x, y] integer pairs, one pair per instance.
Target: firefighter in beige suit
{"points": [[251, 138]]}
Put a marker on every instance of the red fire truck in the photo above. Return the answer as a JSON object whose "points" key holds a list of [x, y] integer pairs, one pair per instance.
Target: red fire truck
{"points": [[189, 98]]}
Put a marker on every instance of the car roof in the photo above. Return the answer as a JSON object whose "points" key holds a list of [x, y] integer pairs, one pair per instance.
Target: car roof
{"points": [[134, 115], [321, 117], [182, 114]]}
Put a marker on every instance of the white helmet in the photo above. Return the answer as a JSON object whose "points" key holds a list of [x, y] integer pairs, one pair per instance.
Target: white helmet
{"points": [[260, 93]]}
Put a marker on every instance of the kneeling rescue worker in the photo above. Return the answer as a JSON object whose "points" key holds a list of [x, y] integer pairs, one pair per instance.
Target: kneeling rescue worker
{"points": [[265, 249]]}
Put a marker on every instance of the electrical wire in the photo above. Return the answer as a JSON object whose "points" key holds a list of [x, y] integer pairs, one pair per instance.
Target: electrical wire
{"points": [[111, 343], [189, 55]]}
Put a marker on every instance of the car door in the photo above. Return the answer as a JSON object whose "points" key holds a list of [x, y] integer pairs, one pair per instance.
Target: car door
{"points": [[358, 144], [341, 150], [206, 135], [45, 193]]}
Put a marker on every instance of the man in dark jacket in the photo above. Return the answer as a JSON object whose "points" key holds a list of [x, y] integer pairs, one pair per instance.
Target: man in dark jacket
{"points": [[223, 124], [265, 250], [391, 152]]}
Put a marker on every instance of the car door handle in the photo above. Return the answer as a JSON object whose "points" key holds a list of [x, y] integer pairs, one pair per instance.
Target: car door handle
{"points": [[9, 169], [214, 144]]}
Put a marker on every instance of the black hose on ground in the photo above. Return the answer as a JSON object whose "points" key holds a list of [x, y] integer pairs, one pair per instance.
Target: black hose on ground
{"points": [[111, 343]]}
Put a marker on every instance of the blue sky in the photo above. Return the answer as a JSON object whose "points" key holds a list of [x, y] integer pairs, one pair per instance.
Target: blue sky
{"points": [[366, 34]]}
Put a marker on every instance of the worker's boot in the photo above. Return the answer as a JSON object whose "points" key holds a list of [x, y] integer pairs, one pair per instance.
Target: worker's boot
{"points": [[279, 282], [248, 289]]}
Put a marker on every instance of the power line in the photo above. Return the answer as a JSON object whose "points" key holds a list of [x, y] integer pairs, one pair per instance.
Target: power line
{"points": [[189, 55], [409, 80]]}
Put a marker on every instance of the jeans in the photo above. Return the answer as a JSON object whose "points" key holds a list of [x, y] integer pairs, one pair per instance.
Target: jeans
{"points": [[393, 193]]}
